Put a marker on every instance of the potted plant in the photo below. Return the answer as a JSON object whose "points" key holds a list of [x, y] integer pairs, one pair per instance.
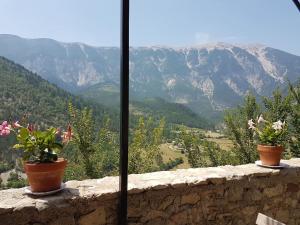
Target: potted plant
{"points": [[42, 166], [271, 137]]}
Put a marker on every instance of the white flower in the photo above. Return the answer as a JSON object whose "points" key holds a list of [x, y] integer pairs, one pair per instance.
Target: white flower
{"points": [[261, 119], [251, 124], [278, 125]]}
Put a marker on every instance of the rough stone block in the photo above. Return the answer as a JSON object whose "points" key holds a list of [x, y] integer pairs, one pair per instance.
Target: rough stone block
{"points": [[166, 202], [249, 210], [274, 191], [64, 221], [291, 187], [283, 215], [179, 218], [191, 199], [97, 217]]}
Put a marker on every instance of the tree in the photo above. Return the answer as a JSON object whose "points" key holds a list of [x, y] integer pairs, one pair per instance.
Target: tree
{"points": [[294, 120], [278, 107], [144, 154], [106, 158], [217, 156], [204, 153], [191, 142], [238, 131], [84, 137]]}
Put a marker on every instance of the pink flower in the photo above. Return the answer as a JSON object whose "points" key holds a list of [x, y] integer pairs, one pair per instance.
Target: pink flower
{"points": [[5, 129], [30, 127], [68, 135], [4, 124], [16, 124]]}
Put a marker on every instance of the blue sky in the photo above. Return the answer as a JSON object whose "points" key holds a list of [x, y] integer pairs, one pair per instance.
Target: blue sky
{"points": [[274, 23]]}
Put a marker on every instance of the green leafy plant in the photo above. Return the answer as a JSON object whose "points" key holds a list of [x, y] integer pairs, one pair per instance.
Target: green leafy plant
{"points": [[269, 133], [37, 145]]}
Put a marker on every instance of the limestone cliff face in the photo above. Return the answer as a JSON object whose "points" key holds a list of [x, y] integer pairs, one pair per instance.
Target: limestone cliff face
{"points": [[215, 76]]}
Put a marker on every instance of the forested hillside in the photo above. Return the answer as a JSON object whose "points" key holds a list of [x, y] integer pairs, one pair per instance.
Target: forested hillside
{"points": [[157, 108], [173, 112], [25, 93]]}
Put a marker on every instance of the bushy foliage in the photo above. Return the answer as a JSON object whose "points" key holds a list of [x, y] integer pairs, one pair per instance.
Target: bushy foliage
{"points": [[5, 167], [204, 153], [144, 154], [84, 137], [95, 153], [171, 164], [294, 120], [99, 159], [237, 129], [16, 181], [107, 150], [277, 107]]}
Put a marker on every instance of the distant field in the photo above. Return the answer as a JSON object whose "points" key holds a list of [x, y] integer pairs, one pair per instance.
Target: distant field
{"points": [[171, 154], [220, 139]]}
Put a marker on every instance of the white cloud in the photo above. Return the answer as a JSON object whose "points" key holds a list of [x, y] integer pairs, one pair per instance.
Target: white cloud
{"points": [[203, 38], [231, 39]]}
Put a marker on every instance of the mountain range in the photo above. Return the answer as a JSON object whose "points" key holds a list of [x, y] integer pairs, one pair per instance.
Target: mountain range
{"points": [[207, 78]]}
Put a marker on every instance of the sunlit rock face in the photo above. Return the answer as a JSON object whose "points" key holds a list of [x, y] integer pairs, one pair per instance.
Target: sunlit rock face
{"points": [[216, 76]]}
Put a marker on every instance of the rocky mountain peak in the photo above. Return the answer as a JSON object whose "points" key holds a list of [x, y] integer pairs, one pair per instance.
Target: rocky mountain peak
{"points": [[205, 77]]}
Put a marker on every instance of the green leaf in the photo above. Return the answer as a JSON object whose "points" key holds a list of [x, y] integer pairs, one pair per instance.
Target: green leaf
{"points": [[24, 133], [17, 146]]}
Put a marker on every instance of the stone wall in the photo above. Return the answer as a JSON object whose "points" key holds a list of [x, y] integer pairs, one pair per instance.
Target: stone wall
{"points": [[211, 196]]}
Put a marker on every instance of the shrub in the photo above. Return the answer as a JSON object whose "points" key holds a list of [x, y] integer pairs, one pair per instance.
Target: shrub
{"points": [[15, 181]]}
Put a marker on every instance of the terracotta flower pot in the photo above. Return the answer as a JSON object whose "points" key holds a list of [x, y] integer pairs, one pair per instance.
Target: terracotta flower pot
{"points": [[44, 177], [270, 155]]}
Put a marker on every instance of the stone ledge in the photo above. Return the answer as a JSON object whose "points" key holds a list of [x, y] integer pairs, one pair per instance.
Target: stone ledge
{"points": [[85, 197]]}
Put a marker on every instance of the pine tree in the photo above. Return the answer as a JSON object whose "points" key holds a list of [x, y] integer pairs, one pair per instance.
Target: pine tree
{"points": [[84, 137], [144, 150], [106, 157], [278, 107], [294, 121], [238, 131]]}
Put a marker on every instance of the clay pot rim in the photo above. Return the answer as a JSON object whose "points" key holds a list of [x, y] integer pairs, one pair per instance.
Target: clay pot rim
{"points": [[60, 164], [270, 148], [59, 160]]}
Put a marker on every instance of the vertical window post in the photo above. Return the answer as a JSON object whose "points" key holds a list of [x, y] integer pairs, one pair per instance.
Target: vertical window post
{"points": [[124, 110], [297, 3]]}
